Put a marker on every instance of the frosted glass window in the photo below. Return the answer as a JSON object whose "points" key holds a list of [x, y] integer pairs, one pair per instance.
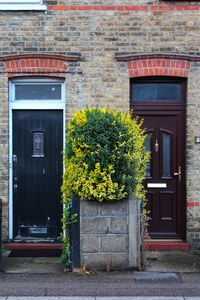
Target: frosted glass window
{"points": [[148, 149], [166, 155], [161, 91], [37, 91]]}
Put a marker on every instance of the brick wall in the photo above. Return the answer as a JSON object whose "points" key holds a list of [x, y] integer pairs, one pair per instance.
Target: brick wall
{"points": [[4, 149], [97, 30], [192, 157]]}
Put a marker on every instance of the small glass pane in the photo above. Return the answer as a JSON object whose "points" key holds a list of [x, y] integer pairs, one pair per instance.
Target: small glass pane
{"points": [[156, 92], [166, 154], [38, 144], [148, 149], [37, 91]]}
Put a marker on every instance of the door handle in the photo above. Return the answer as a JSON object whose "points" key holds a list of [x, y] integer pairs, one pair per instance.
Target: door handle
{"points": [[15, 168], [156, 146], [178, 173]]}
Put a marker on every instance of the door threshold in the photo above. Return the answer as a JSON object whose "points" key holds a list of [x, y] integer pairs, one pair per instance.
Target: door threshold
{"points": [[32, 246], [165, 245]]}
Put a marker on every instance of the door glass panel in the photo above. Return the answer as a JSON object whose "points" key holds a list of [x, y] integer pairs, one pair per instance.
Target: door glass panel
{"points": [[38, 144], [148, 149], [37, 91], [158, 91], [166, 154]]}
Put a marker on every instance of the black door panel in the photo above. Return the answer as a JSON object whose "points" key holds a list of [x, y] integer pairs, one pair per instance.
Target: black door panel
{"points": [[37, 173]]}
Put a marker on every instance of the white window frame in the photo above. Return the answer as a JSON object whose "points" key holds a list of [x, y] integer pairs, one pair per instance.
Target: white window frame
{"points": [[22, 5], [30, 105], [25, 104]]}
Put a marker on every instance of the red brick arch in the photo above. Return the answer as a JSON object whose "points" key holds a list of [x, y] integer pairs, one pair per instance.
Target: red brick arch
{"points": [[159, 67], [157, 64], [37, 65]]}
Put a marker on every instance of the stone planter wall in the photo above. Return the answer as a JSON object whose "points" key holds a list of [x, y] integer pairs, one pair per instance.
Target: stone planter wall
{"points": [[110, 234]]}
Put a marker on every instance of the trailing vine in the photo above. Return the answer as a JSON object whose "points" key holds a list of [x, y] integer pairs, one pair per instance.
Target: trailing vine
{"points": [[67, 220]]}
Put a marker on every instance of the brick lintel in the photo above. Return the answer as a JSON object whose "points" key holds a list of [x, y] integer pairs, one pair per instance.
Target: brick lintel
{"points": [[126, 57]]}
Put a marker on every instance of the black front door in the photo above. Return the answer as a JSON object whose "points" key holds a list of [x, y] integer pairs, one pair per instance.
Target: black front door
{"points": [[37, 173]]}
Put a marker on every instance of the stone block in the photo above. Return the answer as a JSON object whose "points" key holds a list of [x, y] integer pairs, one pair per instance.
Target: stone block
{"points": [[89, 243], [89, 209], [118, 208], [105, 261], [118, 225], [114, 243], [95, 225]]}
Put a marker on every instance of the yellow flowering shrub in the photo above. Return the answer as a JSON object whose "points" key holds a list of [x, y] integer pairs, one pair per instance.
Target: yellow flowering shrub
{"points": [[105, 156]]}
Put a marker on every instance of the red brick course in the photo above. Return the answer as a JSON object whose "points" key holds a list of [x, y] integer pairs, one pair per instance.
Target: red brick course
{"points": [[192, 204], [124, 7]]}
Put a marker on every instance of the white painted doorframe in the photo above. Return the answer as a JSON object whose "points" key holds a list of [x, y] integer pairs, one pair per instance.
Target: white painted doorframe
{"points": [[28, 105]]}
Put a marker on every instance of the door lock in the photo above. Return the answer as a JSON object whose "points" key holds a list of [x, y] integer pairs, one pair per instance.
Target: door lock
{"points": [[178, 173]]}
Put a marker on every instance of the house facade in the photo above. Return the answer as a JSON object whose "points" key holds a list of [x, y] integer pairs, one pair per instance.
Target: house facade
{"points": [[57, 57]]}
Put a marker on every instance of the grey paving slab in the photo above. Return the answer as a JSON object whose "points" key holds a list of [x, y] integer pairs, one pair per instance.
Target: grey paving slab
{"points": [[37, 265], [156, 277], [98, 298], [140, 298], [172, 261], [191, 298], [49, 298]]}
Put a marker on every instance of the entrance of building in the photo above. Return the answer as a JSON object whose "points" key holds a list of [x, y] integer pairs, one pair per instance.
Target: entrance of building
{"points": [[37, 173], [161, 105]]}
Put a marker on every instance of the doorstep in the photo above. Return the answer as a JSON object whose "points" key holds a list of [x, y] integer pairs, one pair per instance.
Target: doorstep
{"points": [[32, 246], [167, 245]]}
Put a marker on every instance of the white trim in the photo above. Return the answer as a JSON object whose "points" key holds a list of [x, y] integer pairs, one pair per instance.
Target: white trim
{"points": [[22, 7], [10, 206], [35, 105], [20, 1], [32, 105]]}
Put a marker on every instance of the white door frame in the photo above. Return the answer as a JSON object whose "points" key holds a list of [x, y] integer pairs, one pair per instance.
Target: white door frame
{"points": [[29, 105]]}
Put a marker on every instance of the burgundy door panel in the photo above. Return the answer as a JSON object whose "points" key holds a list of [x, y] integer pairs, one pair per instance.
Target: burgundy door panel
{"points": [[165, 141]]}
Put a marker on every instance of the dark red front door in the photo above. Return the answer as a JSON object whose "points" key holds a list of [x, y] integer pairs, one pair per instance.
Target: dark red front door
{"points": [[160, 102], [165, 173]]}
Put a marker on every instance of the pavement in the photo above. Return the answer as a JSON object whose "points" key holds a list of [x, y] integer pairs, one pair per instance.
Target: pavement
{"points": [[167, 276], [100, 298], [173, 261]]}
